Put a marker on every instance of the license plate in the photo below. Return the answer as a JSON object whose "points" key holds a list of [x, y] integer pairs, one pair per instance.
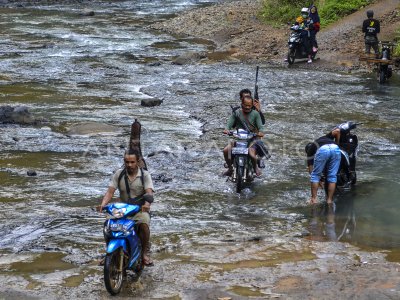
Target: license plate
{"points": [[116, 227], [236, 150]]}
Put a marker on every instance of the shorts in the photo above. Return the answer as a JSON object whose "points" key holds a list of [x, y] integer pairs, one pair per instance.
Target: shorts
{"points": [[327, 158], [261, 149], [142, 218]]}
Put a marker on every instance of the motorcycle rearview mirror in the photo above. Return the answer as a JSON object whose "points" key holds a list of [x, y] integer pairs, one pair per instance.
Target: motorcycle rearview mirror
{"points": [[354, 125]]}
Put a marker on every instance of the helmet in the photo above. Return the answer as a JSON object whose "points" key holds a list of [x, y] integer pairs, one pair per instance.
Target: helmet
{"points": [[347, 126], [370, 13], [304, 12]]}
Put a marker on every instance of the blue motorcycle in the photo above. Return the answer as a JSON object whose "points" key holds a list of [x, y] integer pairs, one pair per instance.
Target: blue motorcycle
{"points": [[124, 249]]}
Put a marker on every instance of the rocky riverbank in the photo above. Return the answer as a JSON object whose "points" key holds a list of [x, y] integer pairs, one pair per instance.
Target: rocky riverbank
{"points": [[239, 34]]}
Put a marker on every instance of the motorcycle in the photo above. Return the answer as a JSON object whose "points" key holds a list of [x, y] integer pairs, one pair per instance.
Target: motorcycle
{"points": [[243, 169], [124, 250], [384, 69], [297, 50], [347, 176]]}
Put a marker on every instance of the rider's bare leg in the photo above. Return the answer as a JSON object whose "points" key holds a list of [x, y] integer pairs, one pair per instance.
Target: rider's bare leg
{"points": [[227, 155], [253, 155], [144, 235]]}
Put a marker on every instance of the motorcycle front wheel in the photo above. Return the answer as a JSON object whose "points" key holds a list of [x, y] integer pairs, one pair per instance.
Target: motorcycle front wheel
{"points": [[139, 265], [239, 178], [113, 275], [291, 56], [342, 179], [382, 76], [313, 55]]}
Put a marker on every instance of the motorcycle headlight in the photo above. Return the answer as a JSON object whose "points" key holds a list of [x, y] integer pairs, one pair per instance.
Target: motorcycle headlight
{"points": [[118, 212]]}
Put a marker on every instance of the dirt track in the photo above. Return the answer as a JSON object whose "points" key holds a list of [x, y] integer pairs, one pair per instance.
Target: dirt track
{"points": [[236, 31]]}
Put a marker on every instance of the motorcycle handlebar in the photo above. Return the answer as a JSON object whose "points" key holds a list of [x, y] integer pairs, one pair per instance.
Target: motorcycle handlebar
{"points": [[228, 132], [233, 132]]}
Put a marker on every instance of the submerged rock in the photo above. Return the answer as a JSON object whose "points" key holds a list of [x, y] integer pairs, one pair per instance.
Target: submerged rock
{"points": [[16, 115], [162, 177], [90, 128], [31, 173], [87, 13], [188, 58]]}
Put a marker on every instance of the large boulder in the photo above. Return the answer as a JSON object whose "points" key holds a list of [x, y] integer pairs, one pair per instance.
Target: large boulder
{"points": [[16, 115], [151, 102]]}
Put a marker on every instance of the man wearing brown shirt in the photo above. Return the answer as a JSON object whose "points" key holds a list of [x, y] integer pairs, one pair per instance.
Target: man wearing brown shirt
{"points": [[135, 186]]}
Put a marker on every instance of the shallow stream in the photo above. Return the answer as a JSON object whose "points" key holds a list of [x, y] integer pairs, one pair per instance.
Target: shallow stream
{"points": [[70, 69]]}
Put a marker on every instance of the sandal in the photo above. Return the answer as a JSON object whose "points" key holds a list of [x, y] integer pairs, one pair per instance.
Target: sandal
{"points": [[147, 261], [257, 173], [229, 172]]}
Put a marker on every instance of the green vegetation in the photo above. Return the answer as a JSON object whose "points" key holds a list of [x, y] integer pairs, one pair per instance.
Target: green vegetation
{"points": [[278, 12], [397, 49]]}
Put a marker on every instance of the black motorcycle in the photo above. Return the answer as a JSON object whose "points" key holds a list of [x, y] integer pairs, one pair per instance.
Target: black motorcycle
{"points": [[243, 169], [347, 176], [384, 68], [297, 49]]}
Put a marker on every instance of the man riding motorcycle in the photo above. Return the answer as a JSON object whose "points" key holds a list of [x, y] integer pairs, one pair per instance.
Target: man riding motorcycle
{"points": [[307, 26], [248, 119]]}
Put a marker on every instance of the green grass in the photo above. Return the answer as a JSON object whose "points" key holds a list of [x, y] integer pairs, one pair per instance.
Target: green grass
{"points": [[277, 12], [333, 10], [284, 11], [397, 49]]}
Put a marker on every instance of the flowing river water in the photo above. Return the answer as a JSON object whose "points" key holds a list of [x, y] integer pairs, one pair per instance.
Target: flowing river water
{"points": [[70, 69]]}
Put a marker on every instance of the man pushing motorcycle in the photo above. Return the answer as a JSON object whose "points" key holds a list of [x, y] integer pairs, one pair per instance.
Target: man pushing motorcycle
{"points": [[324, 154], [249, 119]]}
